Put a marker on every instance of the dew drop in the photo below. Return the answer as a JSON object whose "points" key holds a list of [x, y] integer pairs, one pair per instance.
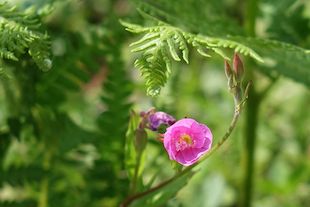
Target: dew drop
{"points": [[47, 65]]}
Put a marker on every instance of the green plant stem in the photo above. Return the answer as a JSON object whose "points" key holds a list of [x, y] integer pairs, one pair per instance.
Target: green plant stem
{"points": [[249, 148], [250, 142], [43, 199], [251, 8], [232, 125], [136, 173], [44, 185]]}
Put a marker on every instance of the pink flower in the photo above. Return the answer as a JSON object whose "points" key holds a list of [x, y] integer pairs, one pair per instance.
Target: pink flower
{"points": [[187, 140]]}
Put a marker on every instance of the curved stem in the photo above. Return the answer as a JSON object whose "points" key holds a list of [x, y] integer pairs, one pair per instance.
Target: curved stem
{"points": [[232, 125]]}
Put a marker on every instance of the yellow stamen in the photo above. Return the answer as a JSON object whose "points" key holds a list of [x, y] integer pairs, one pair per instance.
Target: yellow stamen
{"points": [[186, 138]]}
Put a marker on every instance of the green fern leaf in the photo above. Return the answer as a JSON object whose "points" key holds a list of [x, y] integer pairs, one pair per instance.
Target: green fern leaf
{"points": [[161, 44], [172, 50], [19, 34]]}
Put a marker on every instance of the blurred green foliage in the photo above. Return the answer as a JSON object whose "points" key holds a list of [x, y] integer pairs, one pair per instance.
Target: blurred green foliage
{"points": [[63, 128]]}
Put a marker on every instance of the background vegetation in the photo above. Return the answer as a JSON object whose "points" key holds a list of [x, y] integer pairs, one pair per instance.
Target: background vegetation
{"points": [[68, 86]]}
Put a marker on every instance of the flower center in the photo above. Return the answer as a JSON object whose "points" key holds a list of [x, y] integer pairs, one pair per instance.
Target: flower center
{"points": [[183, 142], [186, 138]]}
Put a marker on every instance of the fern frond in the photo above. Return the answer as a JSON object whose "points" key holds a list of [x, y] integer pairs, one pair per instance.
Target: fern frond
{"points": [[5, 54], [19, 34], [26, 17], [216, 43], [153, 69], [163, 43]]}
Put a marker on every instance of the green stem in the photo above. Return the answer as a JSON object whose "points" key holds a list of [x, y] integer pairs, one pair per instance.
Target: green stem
{"points": [[43, 199], [232, 125], [136, 173], [251, 9], [249, 148], [250, 143]]}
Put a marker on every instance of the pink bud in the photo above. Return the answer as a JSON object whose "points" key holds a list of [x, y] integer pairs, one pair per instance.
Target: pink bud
{"points": [[228, 71], [238, 67], [160, 118], [230, 75]]}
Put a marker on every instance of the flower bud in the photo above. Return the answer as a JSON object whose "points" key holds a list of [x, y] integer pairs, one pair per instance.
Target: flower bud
{"points": [[160, 118], [238, 67], [230, 75], [140, 140], [228, 71]]}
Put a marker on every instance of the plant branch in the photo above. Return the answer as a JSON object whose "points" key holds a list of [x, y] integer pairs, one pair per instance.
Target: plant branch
{"points": [[238, 108]]}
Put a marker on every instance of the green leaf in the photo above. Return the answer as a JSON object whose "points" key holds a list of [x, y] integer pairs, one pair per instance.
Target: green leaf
{"points": [[130, 152]]}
